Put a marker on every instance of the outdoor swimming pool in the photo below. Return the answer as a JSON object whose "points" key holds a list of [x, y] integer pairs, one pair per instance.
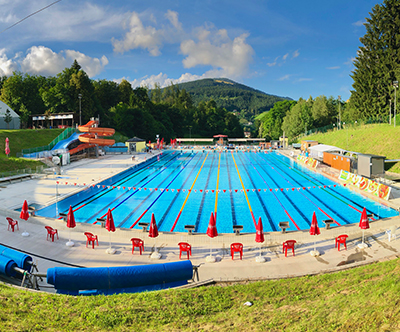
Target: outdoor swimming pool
{"points": [[184, 188]]}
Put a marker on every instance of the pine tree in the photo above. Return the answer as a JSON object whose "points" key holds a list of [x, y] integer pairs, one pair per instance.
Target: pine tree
{"points": [[377, 62]]}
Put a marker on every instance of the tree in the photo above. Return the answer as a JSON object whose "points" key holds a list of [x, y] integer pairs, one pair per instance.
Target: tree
{"points": [[23, 89], [8, 118], [298, 119], [125, 91], [24, 115], [270, 123], [377, 63]]}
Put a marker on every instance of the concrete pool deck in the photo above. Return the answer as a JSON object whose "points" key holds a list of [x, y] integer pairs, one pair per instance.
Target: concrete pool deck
{"points": [[41, 191]]}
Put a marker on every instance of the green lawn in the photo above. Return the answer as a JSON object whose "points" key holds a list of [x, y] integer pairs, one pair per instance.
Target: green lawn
{"points": [[23, 139], [360, 299], [379, 139]]}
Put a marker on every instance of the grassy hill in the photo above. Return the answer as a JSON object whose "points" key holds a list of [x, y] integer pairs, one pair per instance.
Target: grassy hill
{"points": [[234, 97], [379, 139], [360, 299], [23, 139]]}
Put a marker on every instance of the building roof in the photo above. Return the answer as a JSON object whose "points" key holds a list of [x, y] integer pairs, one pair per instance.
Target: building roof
{"points": [[3, 109], [136, 139], [325, 148]]}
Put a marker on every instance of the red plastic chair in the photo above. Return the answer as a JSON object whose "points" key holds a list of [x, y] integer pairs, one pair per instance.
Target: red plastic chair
{"points": [[137, 243], [289, 244], [90, 239], [185, 247], [51, 232], [341, 239], [12, 223], [237, 247]]}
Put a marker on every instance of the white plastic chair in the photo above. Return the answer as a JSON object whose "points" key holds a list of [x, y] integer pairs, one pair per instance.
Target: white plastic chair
{"points": [[391, 232]]}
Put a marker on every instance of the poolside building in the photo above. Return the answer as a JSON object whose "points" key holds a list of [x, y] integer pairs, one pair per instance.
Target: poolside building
{"points": [[14, 121], [136, 144]]}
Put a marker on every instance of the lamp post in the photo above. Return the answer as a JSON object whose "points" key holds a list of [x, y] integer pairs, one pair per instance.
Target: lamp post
{"points": [[339, 113], [80, 110], [390, 112], [395, 85]]}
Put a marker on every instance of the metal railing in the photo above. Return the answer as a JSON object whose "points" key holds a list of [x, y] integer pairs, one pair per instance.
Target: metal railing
{"points": [[65, 134], [36, 170]]}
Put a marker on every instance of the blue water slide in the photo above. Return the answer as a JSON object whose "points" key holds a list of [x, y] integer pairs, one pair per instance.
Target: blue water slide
{"points": [[66, 142]]}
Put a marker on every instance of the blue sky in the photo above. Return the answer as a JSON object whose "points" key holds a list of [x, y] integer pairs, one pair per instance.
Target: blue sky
{"points": [[286, 48]]}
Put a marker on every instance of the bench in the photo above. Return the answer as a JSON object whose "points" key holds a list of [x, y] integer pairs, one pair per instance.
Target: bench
{"points": [[328, 223], [15, 177], [237, 229], [284, 225], [102, 222], [144, 225], [190, 228]]}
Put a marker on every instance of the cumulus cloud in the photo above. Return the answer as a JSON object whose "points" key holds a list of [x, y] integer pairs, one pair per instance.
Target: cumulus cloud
{"points": [[173, 18], [41, 60], [163, 80], [139, 36], [7, 66], [227, 57], [295, 54], [148, 37]]}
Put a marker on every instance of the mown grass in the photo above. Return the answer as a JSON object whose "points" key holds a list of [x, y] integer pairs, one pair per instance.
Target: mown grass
{"points": [[23, 139], [360, 299], [379, 139]]}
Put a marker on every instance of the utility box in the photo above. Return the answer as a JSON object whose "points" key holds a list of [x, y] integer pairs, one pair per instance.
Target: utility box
{"points": [[371, 166]]}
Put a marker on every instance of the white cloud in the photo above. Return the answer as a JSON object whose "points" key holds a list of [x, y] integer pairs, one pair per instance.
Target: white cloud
{"points": [[333, 68], [350, 61], [295, 54], [173, 18], [83, 21], [163, 80], [304, 79], [7, 66], [139, 36], [227, 57], [284, 78], [42, 60], [359, 23], [285, 56], [272, 64], [92, 66]]}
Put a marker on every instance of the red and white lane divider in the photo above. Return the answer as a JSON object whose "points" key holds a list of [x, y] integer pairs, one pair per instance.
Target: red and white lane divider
{"points": [[75, 184]]}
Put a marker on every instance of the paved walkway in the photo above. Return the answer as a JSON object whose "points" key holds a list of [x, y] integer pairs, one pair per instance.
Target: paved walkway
{"points": [[41, 191]]}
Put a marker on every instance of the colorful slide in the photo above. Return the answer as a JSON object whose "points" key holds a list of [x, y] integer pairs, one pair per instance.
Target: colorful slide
{"points": [[92, 136]]}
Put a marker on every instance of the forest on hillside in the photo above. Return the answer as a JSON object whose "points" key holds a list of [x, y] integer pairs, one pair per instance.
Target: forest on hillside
{"points": [[245, 102], [132, 112]]}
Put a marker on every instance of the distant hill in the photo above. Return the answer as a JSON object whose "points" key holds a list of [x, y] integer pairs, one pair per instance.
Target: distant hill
{"points": [[231, 95], [246, 102]]}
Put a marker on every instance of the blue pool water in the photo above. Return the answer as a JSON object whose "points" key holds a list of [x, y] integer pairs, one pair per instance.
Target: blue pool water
{"points": [[184, 188]]}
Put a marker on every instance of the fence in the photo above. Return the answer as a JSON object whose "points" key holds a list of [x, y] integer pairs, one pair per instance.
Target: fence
{"points": [[352, 124], [37, 170], [65, 134]]}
